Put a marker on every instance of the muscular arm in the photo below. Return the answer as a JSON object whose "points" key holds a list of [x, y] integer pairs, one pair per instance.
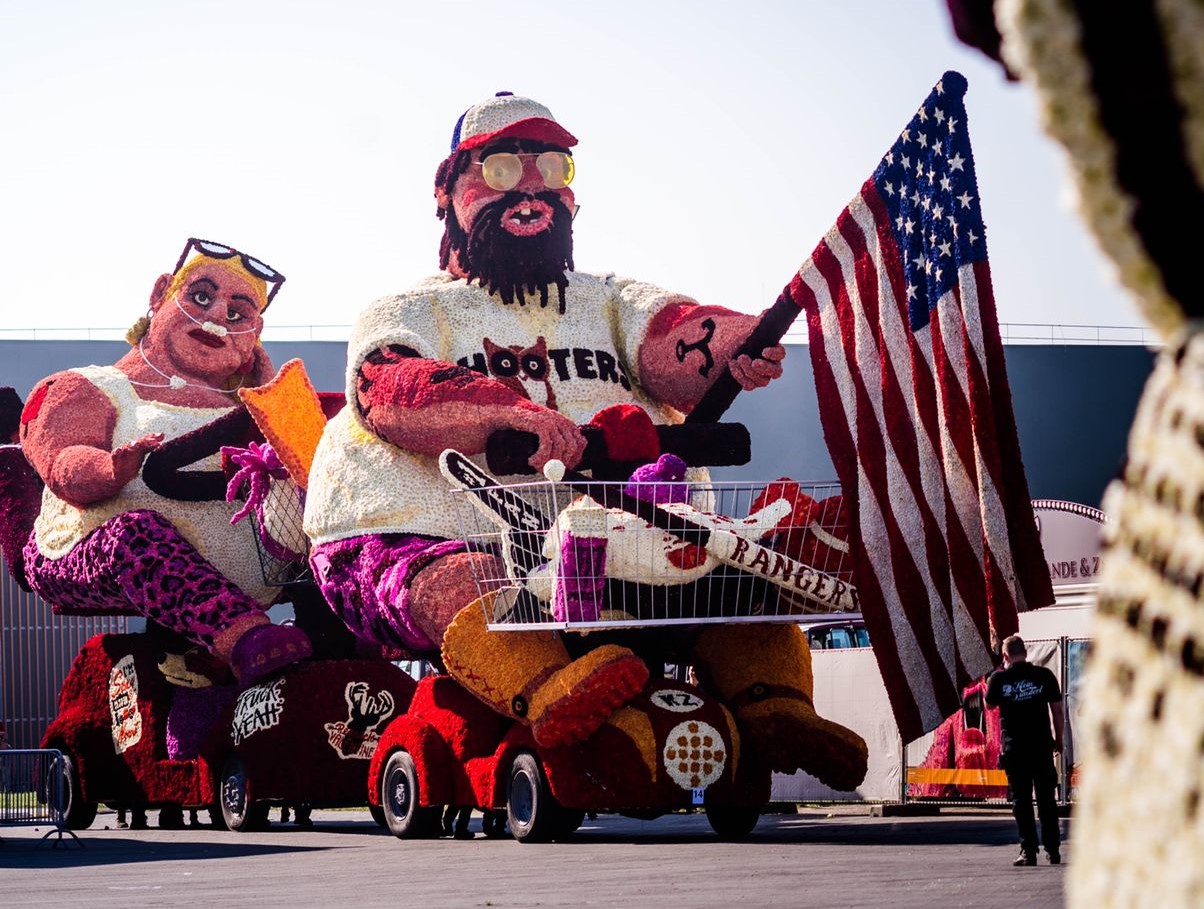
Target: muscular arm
{"points": [[688, 346], [67, 434], [425, 406]]}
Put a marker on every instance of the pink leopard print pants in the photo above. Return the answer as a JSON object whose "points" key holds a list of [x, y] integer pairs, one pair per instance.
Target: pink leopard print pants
{"points": [[137, 563]]}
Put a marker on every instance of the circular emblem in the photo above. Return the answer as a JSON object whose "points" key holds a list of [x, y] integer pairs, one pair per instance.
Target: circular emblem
{"points": [[676, 700], [695, 754]]}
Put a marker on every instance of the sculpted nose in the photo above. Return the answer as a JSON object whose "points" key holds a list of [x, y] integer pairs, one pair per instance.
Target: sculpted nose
{"points": [[532, 181]]}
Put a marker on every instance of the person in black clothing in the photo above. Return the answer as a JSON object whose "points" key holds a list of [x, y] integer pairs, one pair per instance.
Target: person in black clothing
{"points": [[1026, 695]]}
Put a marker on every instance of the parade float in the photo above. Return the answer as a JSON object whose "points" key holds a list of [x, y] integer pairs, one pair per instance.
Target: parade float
{"points": [[551, 606]]}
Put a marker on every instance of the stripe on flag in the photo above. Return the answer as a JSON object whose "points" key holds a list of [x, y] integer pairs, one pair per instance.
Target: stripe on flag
{"points": [[916, 410]]}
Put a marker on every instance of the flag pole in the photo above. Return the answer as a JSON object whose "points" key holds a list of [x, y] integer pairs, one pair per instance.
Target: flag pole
{"points": [[769, 330]]}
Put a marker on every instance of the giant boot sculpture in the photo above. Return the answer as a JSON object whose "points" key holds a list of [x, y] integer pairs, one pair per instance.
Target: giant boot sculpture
{"points": [[763, 674], [529, 676]]}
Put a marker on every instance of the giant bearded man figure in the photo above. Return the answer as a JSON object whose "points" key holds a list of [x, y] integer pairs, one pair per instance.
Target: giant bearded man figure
{"points": [[509, 336]]}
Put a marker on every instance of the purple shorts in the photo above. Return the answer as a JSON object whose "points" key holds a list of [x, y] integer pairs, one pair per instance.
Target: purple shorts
{"points": [[366, 581]]}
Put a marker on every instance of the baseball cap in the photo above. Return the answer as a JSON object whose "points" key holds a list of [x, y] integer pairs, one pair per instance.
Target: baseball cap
{"points": [[508, 114]]}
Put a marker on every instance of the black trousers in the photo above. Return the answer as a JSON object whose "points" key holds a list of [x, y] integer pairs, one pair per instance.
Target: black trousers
{"points": [[1029, 773]]}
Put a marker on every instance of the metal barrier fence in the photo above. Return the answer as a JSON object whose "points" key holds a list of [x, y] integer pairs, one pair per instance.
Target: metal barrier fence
{"points": [[34, 789], [37, 649], [956, 764]]}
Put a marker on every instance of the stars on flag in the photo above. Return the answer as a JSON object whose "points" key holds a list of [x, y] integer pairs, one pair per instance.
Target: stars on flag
{"points": [[925, 178]]}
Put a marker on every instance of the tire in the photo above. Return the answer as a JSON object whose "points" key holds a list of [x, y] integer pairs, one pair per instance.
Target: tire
{"points": [[568, 822], [77, 814], [733, 822], [378, 815], [400, 800], [533, 812], [238, 810]]}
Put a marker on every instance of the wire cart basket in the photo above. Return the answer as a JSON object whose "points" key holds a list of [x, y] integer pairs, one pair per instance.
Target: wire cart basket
{"points": [[280, 540], [585, 555]]}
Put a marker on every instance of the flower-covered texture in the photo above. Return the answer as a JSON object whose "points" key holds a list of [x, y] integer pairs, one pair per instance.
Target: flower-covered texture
{"points": [[276, 501], [113, 713], [763, 673], [629, 432], [20, 498], [527, 675], [580, 577], [816, 532], [309, 733], [968, 740], [660, 482], [589, 362], [1125, 95], [1122, 89], [1140, 827], [289, 414], [10, 414], [366, 581], [192, 717], [205, 524]]}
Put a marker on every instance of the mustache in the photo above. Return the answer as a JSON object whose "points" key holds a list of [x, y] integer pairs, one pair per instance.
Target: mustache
{"points": [[513, 197], [512, 266]]}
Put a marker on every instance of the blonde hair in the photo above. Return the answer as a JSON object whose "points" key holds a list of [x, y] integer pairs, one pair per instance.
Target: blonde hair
{"points": [[234, 264], [138, 330]]}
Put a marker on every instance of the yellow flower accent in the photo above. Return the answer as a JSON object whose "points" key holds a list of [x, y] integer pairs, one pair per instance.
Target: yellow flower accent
{"points": [[288, 412]]}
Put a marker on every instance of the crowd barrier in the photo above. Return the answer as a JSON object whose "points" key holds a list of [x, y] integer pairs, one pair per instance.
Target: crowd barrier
{"points": [[34, 789], [956, 764]]}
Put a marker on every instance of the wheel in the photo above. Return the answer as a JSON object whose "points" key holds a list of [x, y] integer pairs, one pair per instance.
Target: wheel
{"points": [[733, 822], [400, 800], [77, 814], [378, 815], [534, 814], [239, 811], [568, 822]]}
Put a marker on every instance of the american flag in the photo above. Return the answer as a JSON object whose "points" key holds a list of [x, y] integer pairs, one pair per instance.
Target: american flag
{"points": [[917, 413]]}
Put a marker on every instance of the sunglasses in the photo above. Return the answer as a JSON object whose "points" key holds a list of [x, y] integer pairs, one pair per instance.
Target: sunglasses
{"points": [[213, 250], [504, 170]]}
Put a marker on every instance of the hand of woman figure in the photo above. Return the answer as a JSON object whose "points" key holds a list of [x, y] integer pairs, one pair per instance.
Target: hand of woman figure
{"points": [[128, 458]]}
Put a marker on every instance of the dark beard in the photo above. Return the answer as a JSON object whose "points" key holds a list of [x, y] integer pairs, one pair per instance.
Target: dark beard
{"points": [[511, 266]]}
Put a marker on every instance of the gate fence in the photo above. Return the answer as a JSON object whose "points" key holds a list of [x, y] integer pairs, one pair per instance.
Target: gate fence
{"points": [[37, 649], [34, 789], [956, 764]]}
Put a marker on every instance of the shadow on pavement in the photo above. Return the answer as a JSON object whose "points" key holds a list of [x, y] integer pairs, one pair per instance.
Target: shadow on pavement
{"points": [[778, 829], [103, 847]]}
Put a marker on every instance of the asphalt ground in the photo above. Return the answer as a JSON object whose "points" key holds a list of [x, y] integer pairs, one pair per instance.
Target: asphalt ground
{"points": [[814, 858]]}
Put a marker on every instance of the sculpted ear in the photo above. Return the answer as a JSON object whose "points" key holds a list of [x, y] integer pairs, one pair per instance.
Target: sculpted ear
{"points": [[159, 291], [442, 199]]}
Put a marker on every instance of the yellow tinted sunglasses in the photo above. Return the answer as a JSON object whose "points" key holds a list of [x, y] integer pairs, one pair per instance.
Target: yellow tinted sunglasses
{"points": [[504, 170]]}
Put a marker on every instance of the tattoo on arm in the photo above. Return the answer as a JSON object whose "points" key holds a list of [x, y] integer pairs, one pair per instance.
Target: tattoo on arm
{"points": [[399, 375], [702, 345]]}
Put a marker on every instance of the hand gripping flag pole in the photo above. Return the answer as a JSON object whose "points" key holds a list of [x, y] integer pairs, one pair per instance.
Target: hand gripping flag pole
{"points": [[916, 411]]}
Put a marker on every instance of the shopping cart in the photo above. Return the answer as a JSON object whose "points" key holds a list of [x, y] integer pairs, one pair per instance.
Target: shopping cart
{"points": [[584, 554]]}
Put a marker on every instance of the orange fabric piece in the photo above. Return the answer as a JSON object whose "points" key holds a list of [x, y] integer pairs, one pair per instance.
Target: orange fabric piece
{"points": [[289, 414]]}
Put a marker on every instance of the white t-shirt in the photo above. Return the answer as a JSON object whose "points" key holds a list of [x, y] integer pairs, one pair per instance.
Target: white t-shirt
{"points": [[206, 525], [577, 363]]}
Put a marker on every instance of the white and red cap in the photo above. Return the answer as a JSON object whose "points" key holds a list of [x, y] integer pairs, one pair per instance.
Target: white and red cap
{"points": [[507, 114]]}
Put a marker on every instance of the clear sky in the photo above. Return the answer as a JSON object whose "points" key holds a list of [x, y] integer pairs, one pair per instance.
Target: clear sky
{"points": [[718, 142]]}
